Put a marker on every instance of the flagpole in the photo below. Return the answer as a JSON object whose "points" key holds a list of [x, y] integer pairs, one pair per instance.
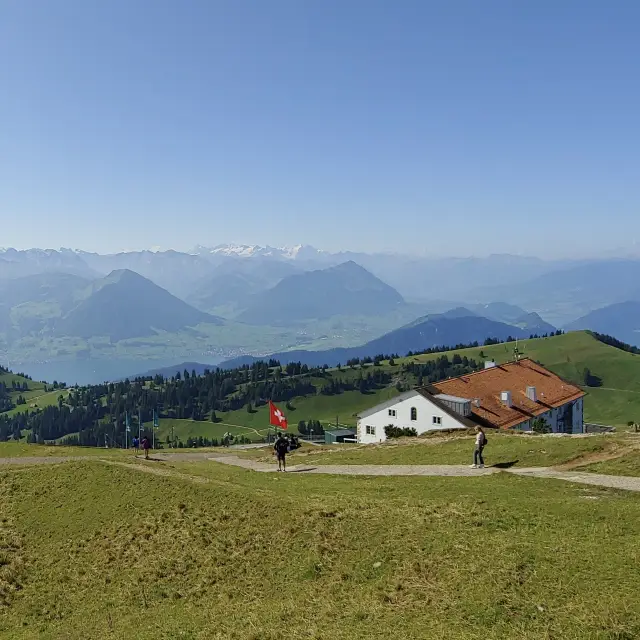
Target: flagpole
{"points": [[139, 424], [126, 441]]}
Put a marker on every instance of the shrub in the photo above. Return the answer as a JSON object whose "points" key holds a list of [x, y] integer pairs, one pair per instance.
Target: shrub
{"points": [[540, 425], [391, 431]]}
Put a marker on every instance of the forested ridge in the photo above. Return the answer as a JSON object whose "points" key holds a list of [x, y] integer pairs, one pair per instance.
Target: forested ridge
{"points": [[92, 413]]}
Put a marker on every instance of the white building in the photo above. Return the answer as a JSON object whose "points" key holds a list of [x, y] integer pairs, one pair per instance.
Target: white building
{"points": [[415, 409], [508, 396]]}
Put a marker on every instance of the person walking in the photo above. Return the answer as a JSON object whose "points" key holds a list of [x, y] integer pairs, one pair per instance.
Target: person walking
{"points": [[146, 445], [136, 444], [280, 448], [481, 441]]}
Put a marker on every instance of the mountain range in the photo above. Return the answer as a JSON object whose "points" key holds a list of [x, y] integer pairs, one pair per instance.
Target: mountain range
{"points": [[125, 305], [620, 320], [344, 290], [235, 299]]}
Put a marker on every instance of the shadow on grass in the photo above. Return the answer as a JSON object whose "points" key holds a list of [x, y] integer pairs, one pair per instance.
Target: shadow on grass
{"points": [[505, 465], [301, 470]]}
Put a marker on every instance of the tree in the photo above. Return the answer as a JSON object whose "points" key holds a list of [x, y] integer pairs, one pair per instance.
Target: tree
{"points": [[590, 379], [540, 425], [302, 428], [214, 417]]}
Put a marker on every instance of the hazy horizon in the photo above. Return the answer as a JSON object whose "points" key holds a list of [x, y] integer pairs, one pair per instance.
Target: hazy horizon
{"points": [[631, 251]]}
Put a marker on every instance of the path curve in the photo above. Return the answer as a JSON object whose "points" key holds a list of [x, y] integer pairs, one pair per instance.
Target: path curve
{"points": [[615, 482], [625, 483]]}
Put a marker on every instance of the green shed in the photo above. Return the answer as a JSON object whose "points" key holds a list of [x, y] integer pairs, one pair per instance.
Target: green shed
{"points": [[339, 435]]}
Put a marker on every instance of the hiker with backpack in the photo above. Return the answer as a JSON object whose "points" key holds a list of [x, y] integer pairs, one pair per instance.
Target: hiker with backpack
{"points": [[481, 443], [146, 445], [280, 448]]}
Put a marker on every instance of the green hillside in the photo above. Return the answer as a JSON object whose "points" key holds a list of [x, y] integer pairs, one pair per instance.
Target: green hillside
{"points": [[616, 403], [334, 395], [194, 550], [35, 396]]}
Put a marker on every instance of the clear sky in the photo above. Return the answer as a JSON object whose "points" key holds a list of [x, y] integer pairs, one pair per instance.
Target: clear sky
{"points": [[451, 127]]}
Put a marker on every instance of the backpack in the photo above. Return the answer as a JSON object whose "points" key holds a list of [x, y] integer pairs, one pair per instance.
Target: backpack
{"points": [[484, 441]]}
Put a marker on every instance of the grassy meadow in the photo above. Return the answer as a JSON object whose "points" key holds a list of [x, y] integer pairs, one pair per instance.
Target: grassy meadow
{"points": [[97, 550]]}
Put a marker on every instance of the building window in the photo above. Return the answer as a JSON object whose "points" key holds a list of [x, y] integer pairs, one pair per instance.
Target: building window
{"points": [[414, 413], [437, 420], [371, 431], [392, 413]]}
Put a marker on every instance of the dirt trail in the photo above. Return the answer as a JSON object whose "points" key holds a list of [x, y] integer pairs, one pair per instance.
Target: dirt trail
{"points": [[615, 482], [598, 456], [158, 471]]}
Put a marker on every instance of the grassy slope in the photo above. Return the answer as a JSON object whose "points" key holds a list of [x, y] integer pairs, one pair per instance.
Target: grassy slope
{"points": [[568, 355], [255, 425], [617, 402], [35, 395], [255, 556]]}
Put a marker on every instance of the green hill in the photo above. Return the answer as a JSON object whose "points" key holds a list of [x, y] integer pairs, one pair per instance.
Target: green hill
{"points": [[91, 415], [193, 550], [615, 403]]}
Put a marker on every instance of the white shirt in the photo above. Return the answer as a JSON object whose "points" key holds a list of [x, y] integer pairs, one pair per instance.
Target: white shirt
{"points": [[479, 439]]}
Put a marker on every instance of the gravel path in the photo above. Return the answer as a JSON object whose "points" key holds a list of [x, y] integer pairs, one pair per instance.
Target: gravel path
{"points": [[615, 482], [627, 483], [360, 469]]}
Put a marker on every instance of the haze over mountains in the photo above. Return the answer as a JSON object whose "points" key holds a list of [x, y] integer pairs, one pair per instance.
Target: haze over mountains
{"points": [[213, 304], [458, 326], [619, 320], [125, 305], [346, 289]]}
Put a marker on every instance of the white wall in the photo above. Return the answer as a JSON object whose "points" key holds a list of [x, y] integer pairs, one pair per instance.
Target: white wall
{"points": [[426, 411]]}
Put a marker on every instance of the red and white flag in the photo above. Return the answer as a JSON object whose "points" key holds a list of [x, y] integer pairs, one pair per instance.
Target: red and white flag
{"points": [[276, 417]]}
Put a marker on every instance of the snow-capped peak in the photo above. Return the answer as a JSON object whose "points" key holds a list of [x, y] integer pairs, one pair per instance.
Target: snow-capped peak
{"points": [[254, 250]]}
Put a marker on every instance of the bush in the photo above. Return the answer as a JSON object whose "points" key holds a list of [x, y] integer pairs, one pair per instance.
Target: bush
{"points": [[540, 425], [391, 431]]}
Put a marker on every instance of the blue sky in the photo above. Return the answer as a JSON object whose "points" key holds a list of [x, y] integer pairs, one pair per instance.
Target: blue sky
{"points": [[446, 128]]}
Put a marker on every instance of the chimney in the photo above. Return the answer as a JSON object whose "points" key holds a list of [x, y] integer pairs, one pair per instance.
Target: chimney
{"points": [[532, 394], [477, 403], [505, 396], [489, 364]]}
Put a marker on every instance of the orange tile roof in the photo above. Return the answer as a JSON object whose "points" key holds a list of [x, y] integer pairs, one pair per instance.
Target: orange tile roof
{"points": [[488, 384]]}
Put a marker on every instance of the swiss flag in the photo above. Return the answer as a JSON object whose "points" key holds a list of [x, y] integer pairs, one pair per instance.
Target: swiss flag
{"points": [[276, 417]]}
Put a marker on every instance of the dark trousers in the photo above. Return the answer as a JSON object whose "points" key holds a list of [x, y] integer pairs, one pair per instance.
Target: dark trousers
{"points": [[477, 456]]}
